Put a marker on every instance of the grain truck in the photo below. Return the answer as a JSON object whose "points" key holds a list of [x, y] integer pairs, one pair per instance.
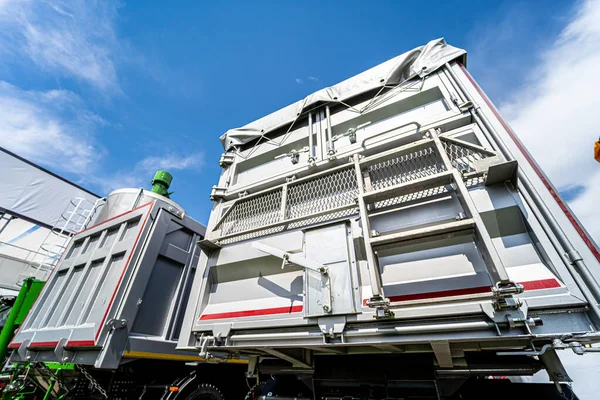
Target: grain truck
{"points": [[107, 321], [390, 237]]}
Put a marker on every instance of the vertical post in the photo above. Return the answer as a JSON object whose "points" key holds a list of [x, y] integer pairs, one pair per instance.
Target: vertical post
{"points": [[310, 138], [7, 332], [373, 265], [330, 149], [282, 212]]}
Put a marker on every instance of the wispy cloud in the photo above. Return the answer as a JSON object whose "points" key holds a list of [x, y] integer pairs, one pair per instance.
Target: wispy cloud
{"points": [[172, 162], [49, 127], [301, 81], [142, 172], [75, 39], [556, 112]]}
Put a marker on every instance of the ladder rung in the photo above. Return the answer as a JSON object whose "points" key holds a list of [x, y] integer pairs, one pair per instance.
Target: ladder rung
{"points": [[420, 233], [414, 186]]}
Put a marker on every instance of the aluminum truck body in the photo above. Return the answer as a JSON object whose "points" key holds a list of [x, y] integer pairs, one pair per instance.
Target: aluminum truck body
{"points": [[394, 215]]}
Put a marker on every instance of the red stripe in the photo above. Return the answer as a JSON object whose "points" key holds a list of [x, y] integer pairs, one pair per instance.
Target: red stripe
{"points": [[529, 285], [536, 168], [14, 345], [124, 268], [42, 344], [253, 313], [80, 343], [541, 284], [444, 293]]}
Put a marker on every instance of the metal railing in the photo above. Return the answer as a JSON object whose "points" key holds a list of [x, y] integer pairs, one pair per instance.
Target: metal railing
{"points": [[332, 194]]}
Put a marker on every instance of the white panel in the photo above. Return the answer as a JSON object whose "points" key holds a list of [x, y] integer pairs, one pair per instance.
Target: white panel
{"points": [[35, 193]]}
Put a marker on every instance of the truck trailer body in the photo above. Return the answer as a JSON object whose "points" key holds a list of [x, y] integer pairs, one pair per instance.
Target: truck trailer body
{"points": [[114, 304], [394, 216]]}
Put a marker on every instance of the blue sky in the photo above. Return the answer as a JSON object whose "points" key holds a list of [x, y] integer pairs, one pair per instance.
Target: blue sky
{"points": [[104, 93]]}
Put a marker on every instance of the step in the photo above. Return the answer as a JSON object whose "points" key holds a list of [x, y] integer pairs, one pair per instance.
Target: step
{"points": [[405, 188], [419, 233]]}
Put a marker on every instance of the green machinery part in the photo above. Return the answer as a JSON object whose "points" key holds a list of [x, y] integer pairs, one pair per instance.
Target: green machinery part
{"points": [[27, 295], [161, 182]]}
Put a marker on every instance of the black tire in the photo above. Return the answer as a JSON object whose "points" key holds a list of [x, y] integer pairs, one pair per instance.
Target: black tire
{"points": [[205, 392]]}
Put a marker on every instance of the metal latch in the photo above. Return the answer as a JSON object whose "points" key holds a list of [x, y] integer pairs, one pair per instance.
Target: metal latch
{"points": [[114, 324], [350, 133], [294, 155], [301, 261]]}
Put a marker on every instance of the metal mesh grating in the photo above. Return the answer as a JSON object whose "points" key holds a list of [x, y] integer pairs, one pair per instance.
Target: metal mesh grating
{"points": [[422, 195], [253, 213], [321, 194], [405, 168], [463, 158]]}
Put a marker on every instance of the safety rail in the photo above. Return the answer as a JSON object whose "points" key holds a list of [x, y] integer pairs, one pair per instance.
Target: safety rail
{"points": [[389, 178]]}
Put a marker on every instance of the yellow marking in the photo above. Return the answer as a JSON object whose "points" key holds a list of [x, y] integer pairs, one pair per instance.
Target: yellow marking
{"points": [[175, 357]]}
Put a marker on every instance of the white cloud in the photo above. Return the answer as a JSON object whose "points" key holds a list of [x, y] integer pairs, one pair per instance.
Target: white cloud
{"points": [[556, 112], [71, 38], [143, 171], [171, 162], [300, 81], [49, 127]]}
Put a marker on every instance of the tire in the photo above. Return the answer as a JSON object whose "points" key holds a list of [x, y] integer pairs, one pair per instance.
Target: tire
{"points": [[205, 392]]}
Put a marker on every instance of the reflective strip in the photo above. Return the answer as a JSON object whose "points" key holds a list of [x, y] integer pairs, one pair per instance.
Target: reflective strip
{"points": [[175, 357], [253, 313]]}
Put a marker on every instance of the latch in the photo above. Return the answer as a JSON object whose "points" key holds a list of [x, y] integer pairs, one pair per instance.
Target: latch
{"points": [[504, 293], [301, 261], [350, 133], [294, 155], [114, 324]]}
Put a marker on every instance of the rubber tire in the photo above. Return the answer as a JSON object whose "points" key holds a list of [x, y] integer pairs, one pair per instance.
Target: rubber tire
{"points": [[205, 391]]}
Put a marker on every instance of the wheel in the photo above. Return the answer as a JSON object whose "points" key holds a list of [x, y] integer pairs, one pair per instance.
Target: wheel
{"points": [[206, 392]]}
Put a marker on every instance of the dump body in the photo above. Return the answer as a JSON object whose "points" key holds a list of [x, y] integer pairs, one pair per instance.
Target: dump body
{"points": [[119, 290], [405, 217]]}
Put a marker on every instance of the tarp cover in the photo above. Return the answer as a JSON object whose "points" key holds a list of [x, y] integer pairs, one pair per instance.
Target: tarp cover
{"points": [[31, 192], [420, 61]]}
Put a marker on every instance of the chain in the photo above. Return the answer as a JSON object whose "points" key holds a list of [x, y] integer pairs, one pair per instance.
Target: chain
{"points": [[93, 381], [43, 367]]}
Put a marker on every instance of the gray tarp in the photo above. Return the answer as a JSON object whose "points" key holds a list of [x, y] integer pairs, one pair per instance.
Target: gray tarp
{"points": [[418, 62], [31, 192]]}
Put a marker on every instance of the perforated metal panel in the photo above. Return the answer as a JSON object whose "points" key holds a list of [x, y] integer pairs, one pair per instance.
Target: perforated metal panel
{"points": [[321, 194]]}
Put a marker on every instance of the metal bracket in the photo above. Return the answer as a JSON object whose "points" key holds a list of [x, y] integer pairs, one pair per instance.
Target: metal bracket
{"points": [[291, 258], [466, 106], [350, 133], [226, 160], [294, 155], [300, 260], [331, 154], [115, 324], [217, 193]]}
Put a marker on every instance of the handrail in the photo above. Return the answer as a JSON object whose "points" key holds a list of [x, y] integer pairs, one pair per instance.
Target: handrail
{"points": [[418, 125]]}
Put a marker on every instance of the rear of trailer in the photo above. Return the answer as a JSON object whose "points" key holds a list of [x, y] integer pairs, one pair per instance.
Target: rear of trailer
{"points": [[390, 237], [110, 314]]}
